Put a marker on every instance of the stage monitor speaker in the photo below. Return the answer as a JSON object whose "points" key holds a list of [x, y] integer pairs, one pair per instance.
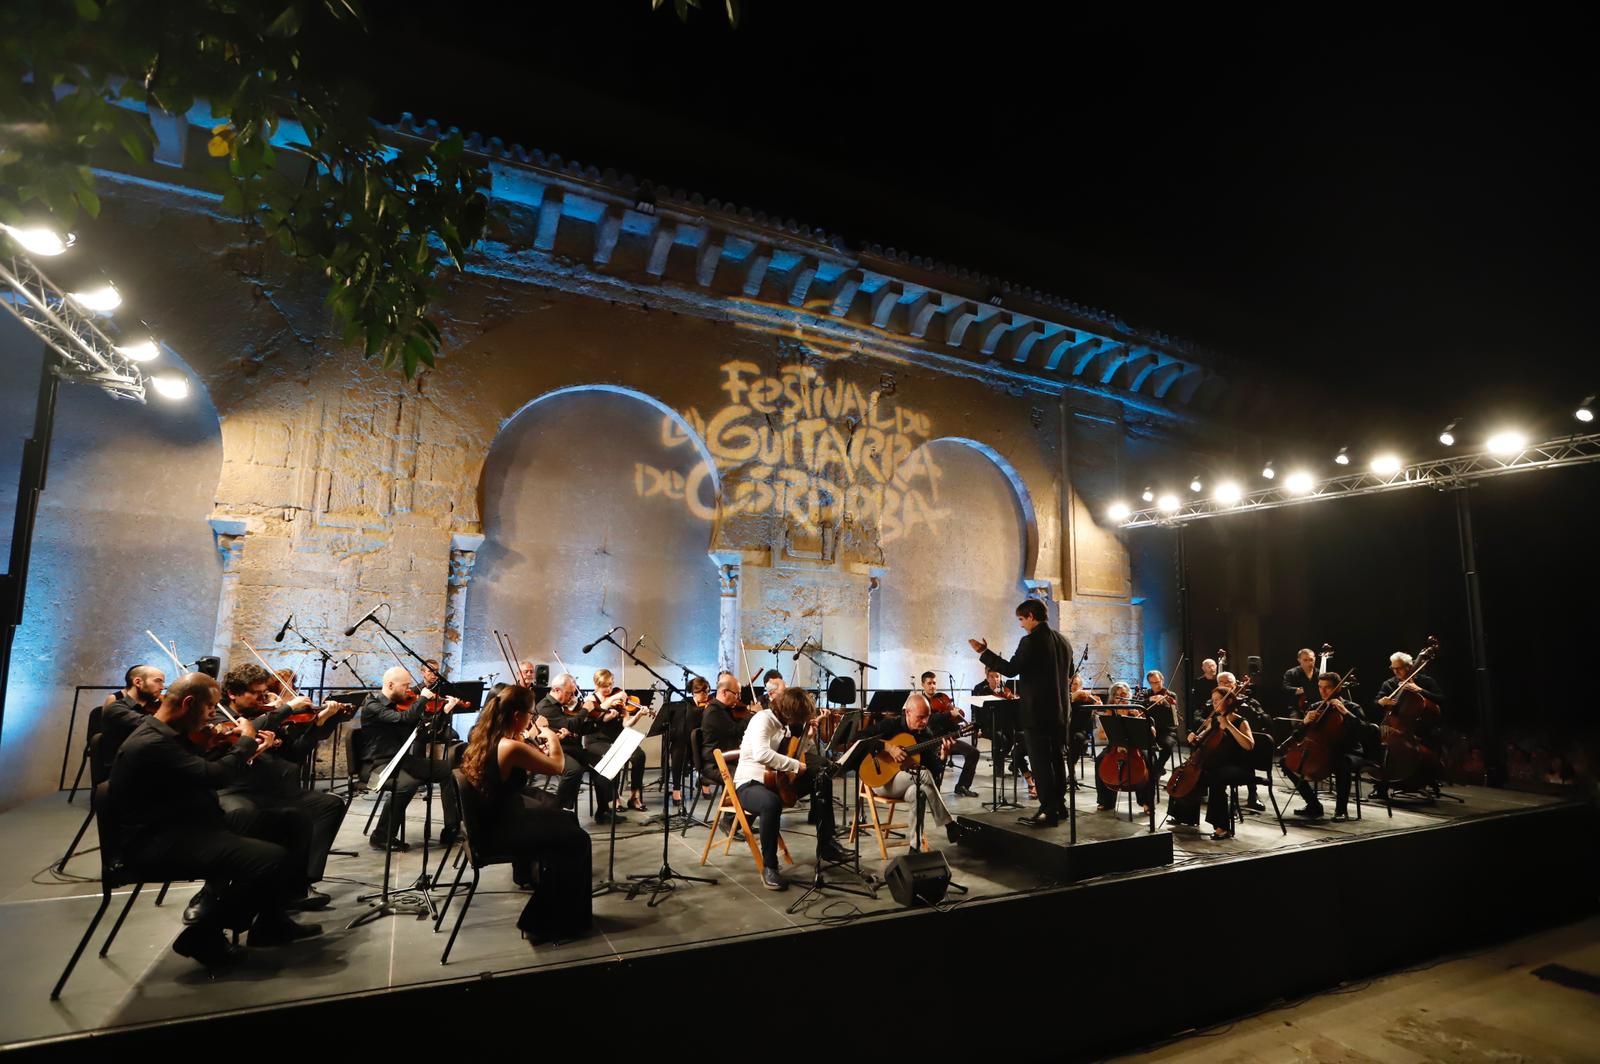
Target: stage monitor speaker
{"points": [[212, 667], [918, 878], [541, 676], [841, 690]]}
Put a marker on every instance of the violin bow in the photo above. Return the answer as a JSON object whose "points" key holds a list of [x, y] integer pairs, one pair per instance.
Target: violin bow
{"points": [[263, 662]]}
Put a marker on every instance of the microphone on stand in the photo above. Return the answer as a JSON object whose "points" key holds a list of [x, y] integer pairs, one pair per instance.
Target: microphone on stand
{"points": [[373, 612], [637, 644], [279, 637], [801, 649], [590, 646]]}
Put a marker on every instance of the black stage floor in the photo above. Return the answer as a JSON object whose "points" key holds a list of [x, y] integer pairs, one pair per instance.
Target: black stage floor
{"points": [[142, 983]]}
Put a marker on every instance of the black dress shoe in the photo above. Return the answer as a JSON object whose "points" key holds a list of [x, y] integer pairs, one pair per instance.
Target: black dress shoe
{"points": [[397, 845], [1340, 816], [966, 792], [1309, 812], [279, 930], [1039, 820], [449, 837], [603, 816], [208, 946], [314, 899], [1255, 805], [196, 907], [833, 854]]}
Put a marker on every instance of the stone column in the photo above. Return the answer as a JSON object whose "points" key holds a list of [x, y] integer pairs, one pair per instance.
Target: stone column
{"points": [[728, 637], [463, 553], [1045, 593], [229, 534]]}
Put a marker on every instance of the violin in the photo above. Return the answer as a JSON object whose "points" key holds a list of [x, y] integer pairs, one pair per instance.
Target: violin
{"points": [[1186, 777], [310, 713], [942, 703], [1310, 751]]}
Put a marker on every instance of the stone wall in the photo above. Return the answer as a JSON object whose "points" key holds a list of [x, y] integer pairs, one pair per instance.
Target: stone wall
{"points": [[716, 471]]}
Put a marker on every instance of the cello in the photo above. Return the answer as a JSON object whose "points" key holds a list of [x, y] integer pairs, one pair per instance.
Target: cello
{"points": [[1310, 750], [1405, 753], [1123, 768], [1186, 777]]}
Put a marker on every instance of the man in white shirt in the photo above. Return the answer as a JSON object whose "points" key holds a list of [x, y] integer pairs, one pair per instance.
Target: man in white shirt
{"points": [[766, 738]]}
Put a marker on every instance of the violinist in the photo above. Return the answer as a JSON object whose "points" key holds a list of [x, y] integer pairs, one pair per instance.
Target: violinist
{"points": [[139, 697], [1043, 661], [1106, 798], [1161, 705], [1328, 702], [760, 750], [1082, 717], [722, 723], [948, 724], [530, 825], [611, 703], [1300, 682], [571, 723], [164, 798], [1223, 768], [682, 718], [771, 684], [388, 720]]}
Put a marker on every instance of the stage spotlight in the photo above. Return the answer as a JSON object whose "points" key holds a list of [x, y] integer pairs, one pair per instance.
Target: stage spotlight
{"points": [[1267, 472], [170, 385], [1168, 504], [102, 300], [1447, 435], [1228, 493], [1118, 512], [1148, 496], [39, 240], [1507, 442], [1386, 465], [1298, 483], [1585, 411], [1195, 485], [1343, 457], [141, 351]]}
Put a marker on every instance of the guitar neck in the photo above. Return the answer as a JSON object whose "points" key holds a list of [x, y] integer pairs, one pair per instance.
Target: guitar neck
{"points": [[928, 744]]}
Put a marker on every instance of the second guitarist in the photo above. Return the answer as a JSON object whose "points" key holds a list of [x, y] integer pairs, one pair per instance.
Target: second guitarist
{"points": [[913, 720]]}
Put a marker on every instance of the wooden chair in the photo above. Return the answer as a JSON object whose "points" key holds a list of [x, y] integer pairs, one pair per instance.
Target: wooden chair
{"points": [[872, 800], [729, 803]]}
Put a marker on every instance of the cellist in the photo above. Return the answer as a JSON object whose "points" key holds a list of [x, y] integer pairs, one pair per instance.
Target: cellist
{"points": [[1225, 766], [1106, 798], [1327, 686], [1402, 665]]}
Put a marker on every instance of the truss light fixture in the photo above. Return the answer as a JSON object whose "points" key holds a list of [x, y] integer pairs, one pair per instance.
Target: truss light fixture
{"points": [[1343, 457], [1585, 411], [1447, 435], [1506, 442], [1298, 483]]}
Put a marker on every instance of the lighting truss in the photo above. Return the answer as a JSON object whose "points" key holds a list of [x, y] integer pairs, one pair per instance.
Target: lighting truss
{"points": [[1441, 473], [86, 354]]}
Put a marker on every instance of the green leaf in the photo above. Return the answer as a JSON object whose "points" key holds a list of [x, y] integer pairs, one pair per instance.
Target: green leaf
{"points": [[88, 10], [89, 200]]}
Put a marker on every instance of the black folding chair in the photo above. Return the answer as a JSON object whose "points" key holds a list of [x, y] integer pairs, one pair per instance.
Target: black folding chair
{"points": [[473, 835]]}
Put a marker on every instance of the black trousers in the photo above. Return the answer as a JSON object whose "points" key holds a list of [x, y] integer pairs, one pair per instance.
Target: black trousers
{"points": [[1215, 781], [313, 822], [581, 759], [767, 808], [1049, 769], [600, 746], [414, 771], [250, 875], [535, 829], [969, 762], [1341, 787]]}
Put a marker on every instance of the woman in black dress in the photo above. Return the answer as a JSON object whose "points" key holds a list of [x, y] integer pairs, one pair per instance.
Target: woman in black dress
{"points": [[531, 826], [1227, 765]]}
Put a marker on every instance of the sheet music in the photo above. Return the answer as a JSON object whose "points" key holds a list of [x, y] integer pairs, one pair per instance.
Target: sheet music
{"points": [[622, 749]]}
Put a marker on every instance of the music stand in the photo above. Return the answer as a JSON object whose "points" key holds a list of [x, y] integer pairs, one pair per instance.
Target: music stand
{"points": [[985, 714], [850, 759], [414, 900], [660, 882], [609, 768], [1134, 734]]}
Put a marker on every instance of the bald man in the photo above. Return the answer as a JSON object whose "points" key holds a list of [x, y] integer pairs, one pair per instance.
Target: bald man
{"points": [[571, 722], [163, 795], [913, 719], [388, 720]]}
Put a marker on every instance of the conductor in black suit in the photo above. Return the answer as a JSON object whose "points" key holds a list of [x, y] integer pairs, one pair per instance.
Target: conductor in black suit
{"points": [[1043, 662]]}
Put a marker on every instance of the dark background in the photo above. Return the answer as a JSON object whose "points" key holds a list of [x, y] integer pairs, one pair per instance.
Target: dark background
{"points": [[1382, 224]]}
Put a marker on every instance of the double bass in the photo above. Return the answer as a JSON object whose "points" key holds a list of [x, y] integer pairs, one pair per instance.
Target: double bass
{"points": [[1186, 777], [1309, 752], [1406, 754]]}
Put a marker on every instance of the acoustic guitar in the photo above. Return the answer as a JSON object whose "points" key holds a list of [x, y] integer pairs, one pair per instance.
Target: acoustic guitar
{"points": [[879, 768]]}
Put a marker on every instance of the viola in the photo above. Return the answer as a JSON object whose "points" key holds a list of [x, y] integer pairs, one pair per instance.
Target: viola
{"points": [[1310, 751], [1406, 755], [942, 703], [1186, 777]]}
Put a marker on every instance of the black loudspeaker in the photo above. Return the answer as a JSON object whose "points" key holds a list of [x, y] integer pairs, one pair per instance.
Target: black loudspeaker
{"points": [[918, 878], [541, 676], [212, 667], [841, 690]]}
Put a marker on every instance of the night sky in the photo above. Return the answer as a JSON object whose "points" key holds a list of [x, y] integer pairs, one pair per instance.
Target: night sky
{"points": [[1395, 216]]}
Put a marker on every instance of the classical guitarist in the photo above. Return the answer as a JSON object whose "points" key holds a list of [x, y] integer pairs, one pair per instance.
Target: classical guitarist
{"points": [[890, 738], [771, 768]]}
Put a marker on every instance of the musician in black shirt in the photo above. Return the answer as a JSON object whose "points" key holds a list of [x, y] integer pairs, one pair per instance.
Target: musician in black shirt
{"points": [[1300, 683], [611, 702], [914, 720], [948, 724], [388, 720], [1327, 702], [572, 723], [1403, 669], [163, 795], [1003, 730], [140, 695], [1043, 661]]}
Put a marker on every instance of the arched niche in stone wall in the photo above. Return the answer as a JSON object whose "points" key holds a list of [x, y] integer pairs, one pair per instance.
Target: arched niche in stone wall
{"points": [[955, 559], [599, 504], [122, 544]]}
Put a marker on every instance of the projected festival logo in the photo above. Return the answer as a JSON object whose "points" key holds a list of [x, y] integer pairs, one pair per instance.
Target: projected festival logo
{"points": [[807, 448]]}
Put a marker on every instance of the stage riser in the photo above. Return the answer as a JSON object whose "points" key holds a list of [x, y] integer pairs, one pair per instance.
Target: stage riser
{"points": [[1132, 960], [1024, 846]]}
